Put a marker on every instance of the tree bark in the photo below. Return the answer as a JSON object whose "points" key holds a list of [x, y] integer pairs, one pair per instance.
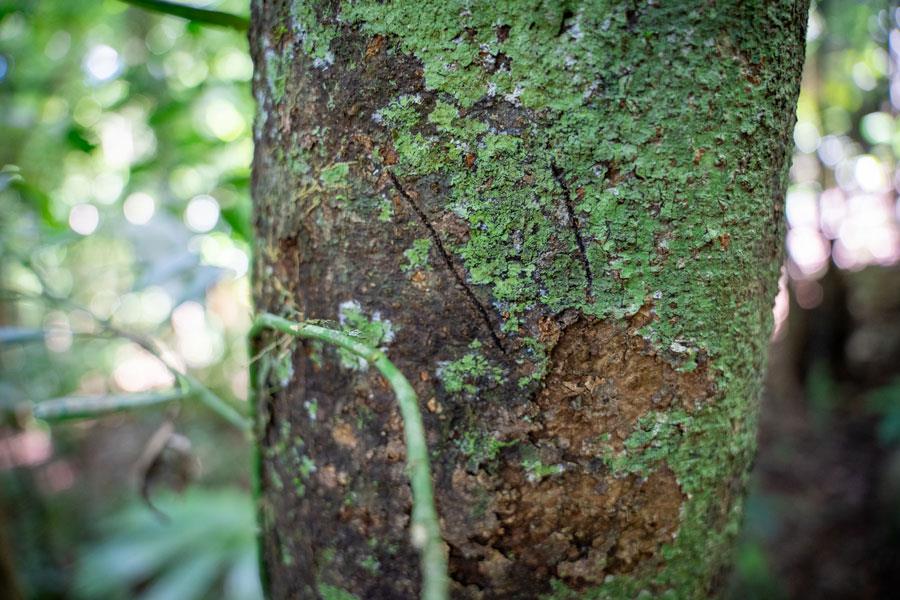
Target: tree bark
{"points": [[563, 223]]}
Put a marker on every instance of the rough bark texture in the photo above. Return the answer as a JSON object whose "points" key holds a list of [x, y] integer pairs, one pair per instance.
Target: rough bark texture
{"points": [[562, 220]]}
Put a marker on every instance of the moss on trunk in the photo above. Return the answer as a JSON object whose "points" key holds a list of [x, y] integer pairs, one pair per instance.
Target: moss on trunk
{"points": [[562, 220]]}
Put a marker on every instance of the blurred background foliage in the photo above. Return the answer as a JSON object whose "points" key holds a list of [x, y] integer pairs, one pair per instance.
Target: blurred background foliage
{"points": [[124, 206], [124, 209]]}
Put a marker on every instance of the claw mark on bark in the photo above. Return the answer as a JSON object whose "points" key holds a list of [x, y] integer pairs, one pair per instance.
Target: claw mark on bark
{"points": [[576, 229], [448, 260]]}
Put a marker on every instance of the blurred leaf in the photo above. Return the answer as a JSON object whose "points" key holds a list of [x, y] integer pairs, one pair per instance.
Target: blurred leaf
{"points": [[756, 580], [822, 392], [190, 578], [208, 541], [8, 175], [242, 581], [889, 428], [40, 202], [238, 217], [76, 138], [192, 13]]}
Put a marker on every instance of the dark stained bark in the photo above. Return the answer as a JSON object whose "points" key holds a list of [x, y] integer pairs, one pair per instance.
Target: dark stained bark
{"points": [[562, 221]]}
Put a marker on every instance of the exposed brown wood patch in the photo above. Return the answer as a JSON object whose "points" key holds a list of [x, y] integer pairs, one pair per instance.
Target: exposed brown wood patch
{"points": [[602, 379], [512, 529], [588, 525]]}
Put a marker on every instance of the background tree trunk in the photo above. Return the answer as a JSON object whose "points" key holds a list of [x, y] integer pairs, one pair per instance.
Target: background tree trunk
{"points": [[563, 221]]}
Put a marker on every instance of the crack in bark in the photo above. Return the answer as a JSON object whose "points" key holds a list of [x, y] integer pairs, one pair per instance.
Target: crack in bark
{"points": [[448, 261], [576, 229]]}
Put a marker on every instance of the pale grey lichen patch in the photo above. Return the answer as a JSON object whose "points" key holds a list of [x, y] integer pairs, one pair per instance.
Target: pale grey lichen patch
{"points": [[373, 331], [314, 36], [312, 408]]}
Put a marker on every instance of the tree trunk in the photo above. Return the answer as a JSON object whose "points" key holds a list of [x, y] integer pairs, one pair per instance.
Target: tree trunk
{"points": [[563, 222]]}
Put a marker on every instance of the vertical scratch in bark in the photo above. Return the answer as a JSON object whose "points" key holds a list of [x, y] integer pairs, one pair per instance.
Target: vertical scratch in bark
{"points": [[576, 229], [448, 260]]}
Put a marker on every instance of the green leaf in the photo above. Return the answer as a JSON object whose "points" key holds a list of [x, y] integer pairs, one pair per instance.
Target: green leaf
{"points": [[189, 578], [238, 218], [75, 137], [207, 543], [192, 13], [40, 201]]}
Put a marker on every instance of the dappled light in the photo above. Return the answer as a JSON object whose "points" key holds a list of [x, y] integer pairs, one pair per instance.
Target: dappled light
{"points": [[125, 209], [843, 207]]}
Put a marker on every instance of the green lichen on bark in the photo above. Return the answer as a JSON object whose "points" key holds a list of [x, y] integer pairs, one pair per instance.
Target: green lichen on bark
{"points": [[469, 373], [373, 331], [330, 592], [619, 162], [481, 448], [417, 255], [649, 164], [314, 37], [335, 176], [669, 213]]}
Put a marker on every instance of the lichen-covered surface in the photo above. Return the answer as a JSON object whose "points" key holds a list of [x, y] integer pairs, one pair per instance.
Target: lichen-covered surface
{"points": [[561, 220]]}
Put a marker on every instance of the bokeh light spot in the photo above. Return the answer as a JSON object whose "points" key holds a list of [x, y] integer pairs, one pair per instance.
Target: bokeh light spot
{"points": [[84, 219], [202, 213], [102, 62], [139, 208]]}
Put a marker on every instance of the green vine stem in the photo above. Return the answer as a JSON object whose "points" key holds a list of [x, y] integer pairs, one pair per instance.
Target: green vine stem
{"points": [[213, 402], [89, 407], [425, 531]]}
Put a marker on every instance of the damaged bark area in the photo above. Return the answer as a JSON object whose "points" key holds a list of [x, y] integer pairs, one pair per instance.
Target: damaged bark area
{"points": [[602, 378], [554, 508]]}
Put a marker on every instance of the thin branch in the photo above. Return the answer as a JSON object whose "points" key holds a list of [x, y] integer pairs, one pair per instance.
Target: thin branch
{"points": [[189, 383], [199, 391], [213, 402], [193, 13], [70, 408], [425, 530]]}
